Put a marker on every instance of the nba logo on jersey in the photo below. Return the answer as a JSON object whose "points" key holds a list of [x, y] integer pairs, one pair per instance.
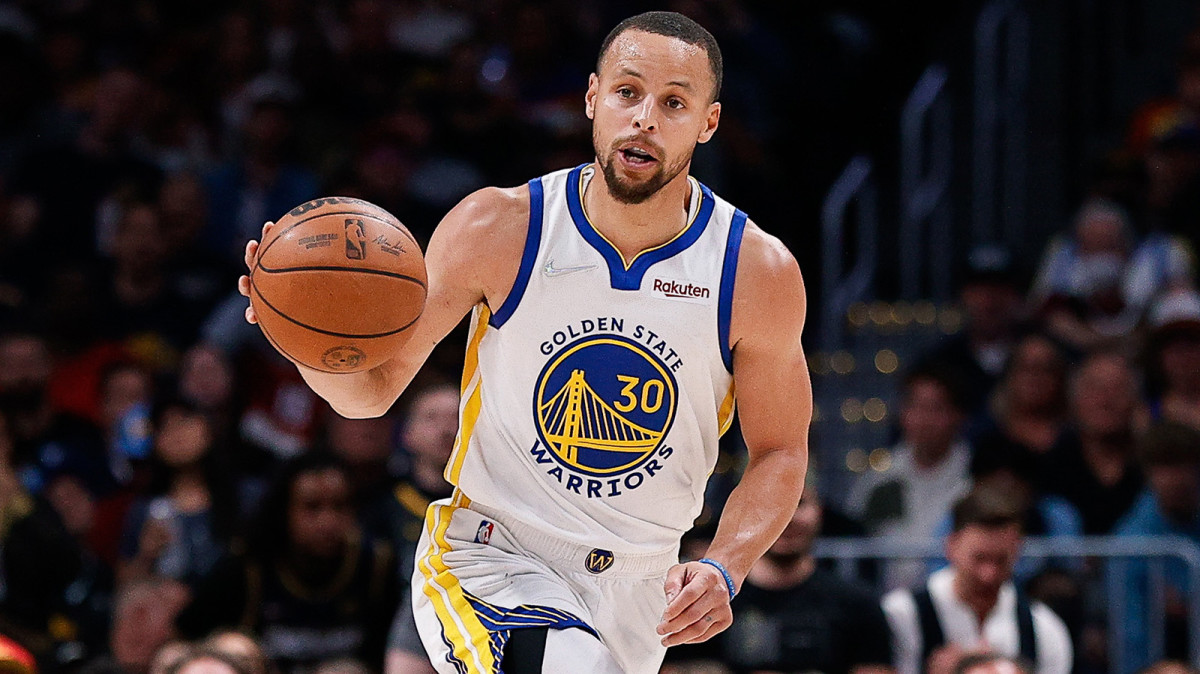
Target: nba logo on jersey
{"points": [[599, 560], [484, 534]]}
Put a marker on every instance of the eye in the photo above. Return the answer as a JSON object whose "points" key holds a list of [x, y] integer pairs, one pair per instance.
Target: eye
{"points": [[625, 92], [675, 104]]}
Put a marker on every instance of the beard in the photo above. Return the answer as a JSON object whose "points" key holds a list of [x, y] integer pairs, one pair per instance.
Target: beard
{"points": [[630, 192]]}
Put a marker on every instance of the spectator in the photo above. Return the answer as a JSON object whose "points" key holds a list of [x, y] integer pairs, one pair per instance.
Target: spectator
{"points": [[1093, 465], [38, 559], [991, 299], [142, 297], [793, 616], [365, 446], [263, 183], [1094, 285], [1027, 411], [429, 429], [929, 470], [310, 586], [1173, 351], [973, 603], [143, 622], [1170, 456], [185, 523]]}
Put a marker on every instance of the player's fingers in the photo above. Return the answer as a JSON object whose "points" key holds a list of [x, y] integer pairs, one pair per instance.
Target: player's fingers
{"points": [[690, 633], [266, 228], [717, 625], [675, 578], [692, 614], [251, 253], [251, 317], [244, 285], [695, 586]]}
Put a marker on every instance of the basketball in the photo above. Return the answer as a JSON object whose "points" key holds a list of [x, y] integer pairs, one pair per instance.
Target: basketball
{"points": [[337, 284]]}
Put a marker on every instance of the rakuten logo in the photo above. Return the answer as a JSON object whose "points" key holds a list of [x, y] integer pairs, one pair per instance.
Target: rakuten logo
{"points": [[677, 290]]}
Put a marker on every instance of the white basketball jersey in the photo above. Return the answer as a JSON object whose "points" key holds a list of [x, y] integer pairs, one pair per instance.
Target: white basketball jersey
{"points": [[593, 398]]}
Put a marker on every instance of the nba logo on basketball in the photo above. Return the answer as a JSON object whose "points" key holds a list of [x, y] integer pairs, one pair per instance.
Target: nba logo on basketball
{"points": [[484, 534], [356, 239]]}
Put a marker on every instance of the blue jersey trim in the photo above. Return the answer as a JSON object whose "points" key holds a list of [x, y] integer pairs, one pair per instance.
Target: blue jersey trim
{"points": [[620, 276], [728, 275], [533, 239]]}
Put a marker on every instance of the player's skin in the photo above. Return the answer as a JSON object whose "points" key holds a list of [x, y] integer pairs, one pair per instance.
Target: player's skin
{"points": [[654, 92]]}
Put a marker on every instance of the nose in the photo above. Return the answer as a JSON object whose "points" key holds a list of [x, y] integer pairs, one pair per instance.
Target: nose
{"points": [[643, 118]]}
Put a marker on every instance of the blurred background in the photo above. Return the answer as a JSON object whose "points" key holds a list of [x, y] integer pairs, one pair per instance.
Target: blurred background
{"points": [[995, 205]]}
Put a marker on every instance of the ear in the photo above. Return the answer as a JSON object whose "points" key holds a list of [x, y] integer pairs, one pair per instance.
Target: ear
{"points": [[710, 123], [589, 99]]}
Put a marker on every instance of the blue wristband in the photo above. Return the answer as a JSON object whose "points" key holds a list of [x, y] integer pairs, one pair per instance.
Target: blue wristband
{"points": [[724, 574]]}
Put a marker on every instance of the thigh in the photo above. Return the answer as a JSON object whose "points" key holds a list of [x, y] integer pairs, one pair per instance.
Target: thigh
{"points": [[472, 589], [626, 613]]}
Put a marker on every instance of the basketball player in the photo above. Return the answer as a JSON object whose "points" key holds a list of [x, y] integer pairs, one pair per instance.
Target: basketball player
{"points": [[616, 307]]}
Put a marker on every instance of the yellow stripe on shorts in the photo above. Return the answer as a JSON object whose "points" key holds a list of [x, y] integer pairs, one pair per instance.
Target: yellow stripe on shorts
{"points": [[468, 638]]}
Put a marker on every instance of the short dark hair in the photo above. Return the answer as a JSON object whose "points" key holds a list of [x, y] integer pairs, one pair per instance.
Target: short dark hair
{"points": [[990, 506], [941, 374], [678, 26]]}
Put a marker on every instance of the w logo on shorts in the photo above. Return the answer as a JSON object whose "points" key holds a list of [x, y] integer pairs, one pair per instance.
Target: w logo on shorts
{"points": [[484, 534], [599, 560]]}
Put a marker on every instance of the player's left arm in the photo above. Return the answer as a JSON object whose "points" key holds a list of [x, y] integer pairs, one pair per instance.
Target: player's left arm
{"points": [[774, 397]]}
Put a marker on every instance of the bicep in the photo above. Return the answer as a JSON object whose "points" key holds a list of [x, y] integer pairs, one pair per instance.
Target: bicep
{"points": [[769, 367]]}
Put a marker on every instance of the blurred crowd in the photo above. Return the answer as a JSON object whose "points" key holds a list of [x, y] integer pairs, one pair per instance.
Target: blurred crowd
{"points": [[172, 495]]}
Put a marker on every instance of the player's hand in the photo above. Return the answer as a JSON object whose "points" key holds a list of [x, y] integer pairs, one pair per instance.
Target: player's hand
{"points": [[251, 259], [697, 604]]}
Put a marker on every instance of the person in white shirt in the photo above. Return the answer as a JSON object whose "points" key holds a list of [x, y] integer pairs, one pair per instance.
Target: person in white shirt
{"points": [[930, 469], [973, 605]]}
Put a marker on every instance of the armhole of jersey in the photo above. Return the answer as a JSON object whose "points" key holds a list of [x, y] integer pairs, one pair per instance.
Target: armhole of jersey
{"points": [[533, 239], [728, 275]]}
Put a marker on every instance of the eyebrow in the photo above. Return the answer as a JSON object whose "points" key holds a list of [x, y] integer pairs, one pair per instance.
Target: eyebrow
{"points": [[633, 73]]}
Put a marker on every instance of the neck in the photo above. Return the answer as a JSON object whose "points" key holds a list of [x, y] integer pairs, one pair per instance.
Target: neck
{"points": [[779, 573], [634, 227], [980, 604]]}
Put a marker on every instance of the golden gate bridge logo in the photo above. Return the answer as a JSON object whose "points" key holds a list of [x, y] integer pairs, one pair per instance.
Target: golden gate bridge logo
{"points": [[604, 404]]}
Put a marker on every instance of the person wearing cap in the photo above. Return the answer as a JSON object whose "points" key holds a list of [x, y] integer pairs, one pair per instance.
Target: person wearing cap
{"points": [[1170, 457], [990, 296], [1173, 356]]}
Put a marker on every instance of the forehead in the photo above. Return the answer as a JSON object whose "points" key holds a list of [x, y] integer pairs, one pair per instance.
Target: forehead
{"points": [[657, 57]]}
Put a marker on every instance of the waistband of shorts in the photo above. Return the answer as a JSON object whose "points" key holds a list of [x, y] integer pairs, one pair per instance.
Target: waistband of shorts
{"points": [[564, 554]]}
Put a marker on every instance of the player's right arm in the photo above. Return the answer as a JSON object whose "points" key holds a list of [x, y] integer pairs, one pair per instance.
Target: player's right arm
{"points": [[473, 256]]}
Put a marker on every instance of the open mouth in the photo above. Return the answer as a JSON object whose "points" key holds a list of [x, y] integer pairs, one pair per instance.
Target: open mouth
{"points": [[636, 156]]}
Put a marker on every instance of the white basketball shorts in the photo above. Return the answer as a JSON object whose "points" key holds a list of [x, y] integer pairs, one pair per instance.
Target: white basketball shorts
{"points": [[480, 575]]}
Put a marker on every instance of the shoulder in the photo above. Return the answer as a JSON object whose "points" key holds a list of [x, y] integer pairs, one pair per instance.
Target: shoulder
{"points": [[763, 260], [490, 213], [1054, 641], [900, 608], [1141, 518], [478, 244], [768, 284]]}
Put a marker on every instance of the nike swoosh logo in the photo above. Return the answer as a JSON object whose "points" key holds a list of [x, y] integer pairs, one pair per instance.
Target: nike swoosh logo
{"points": [[551, 271]]}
